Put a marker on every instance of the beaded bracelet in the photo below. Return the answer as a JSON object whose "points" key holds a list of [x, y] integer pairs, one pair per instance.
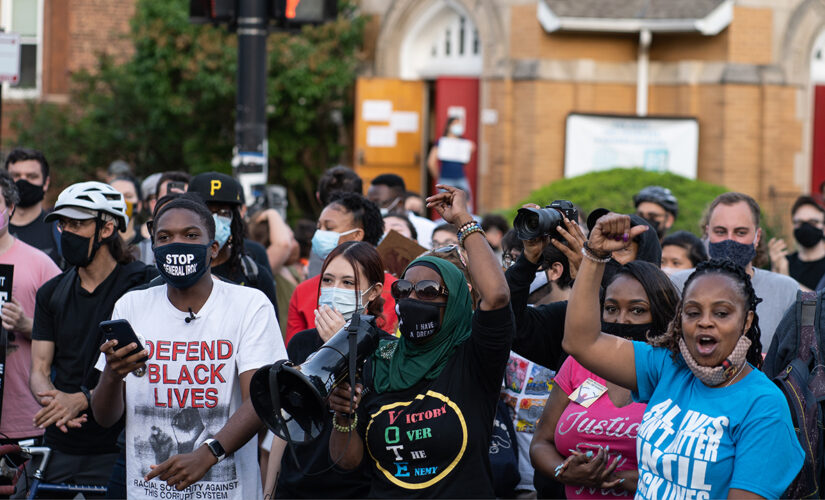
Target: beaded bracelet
{"points": [[591, 255], [466, 226], [473, 228], [341, 428]]}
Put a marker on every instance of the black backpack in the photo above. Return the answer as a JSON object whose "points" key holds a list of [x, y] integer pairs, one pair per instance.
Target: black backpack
{"points": [[795, 360]]}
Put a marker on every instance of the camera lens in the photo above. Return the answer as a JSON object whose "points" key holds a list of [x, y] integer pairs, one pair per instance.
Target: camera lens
{"points": [[533, 223]]}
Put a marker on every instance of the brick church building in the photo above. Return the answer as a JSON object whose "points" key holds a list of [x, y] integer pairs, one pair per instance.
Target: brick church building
{"points": [[747, 71]]}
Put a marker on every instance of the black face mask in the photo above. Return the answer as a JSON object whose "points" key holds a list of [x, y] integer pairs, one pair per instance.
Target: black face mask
{"points": [[628, 331], [30, 194], [807, 235], [75, 249], [418, 320], [658, 226]]}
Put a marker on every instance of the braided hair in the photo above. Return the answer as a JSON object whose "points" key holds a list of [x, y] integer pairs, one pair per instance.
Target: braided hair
{"points": [[237, 232], [670, 339]]}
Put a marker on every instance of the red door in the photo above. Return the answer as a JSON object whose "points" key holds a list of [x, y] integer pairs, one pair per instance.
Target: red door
{"points": [[459, 96], [818, 166]]}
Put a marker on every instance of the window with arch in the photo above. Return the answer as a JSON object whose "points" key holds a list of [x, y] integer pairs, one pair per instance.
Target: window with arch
{"points": [[444, 41]]}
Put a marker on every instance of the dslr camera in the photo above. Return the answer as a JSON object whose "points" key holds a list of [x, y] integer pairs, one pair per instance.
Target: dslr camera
{"points": [[533, 223]]}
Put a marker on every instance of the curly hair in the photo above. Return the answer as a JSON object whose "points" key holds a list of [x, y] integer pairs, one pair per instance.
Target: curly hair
{"points": [[670, 339], [365, 214]]}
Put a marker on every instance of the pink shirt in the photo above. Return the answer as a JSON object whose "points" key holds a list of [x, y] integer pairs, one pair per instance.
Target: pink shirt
{"points": [[599, 425], [32, 268]]}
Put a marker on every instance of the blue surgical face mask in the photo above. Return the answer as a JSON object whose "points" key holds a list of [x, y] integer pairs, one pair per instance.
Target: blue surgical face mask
{"points": [[346, 302], [223, 228], [323, 241], [457, 129], [739, 253]]}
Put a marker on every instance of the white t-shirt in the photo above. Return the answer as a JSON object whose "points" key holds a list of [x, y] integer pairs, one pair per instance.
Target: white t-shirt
{"points": [[191, 386]]}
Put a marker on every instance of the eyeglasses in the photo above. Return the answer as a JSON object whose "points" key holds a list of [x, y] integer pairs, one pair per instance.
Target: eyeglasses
{"points": [[442, 244], [224, 212], [451, 249], [508, 260], [73, 225], [424, 289]]}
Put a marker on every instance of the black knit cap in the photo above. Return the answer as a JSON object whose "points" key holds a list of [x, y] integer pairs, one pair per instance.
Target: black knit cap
{"points": [[216, 187]]}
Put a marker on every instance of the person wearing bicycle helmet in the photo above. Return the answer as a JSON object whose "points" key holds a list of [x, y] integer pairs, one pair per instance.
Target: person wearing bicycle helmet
{"points": [[658, 206], [65, 335]]}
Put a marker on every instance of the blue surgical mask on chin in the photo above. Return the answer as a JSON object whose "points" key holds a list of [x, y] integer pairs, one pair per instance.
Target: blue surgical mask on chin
{"points": [[346, 302], [740, 253], [223, 228], [323, 241]]}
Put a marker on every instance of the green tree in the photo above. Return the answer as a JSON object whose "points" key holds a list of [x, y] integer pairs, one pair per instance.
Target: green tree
{"points": [[171, 105]]}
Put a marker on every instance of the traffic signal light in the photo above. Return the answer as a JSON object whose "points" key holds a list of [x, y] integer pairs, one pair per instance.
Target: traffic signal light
{"points": [[212, 11], [298, 12], [288, 13]]}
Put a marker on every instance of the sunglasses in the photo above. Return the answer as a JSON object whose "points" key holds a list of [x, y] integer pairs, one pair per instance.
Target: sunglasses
{"points": [[424, 289]]}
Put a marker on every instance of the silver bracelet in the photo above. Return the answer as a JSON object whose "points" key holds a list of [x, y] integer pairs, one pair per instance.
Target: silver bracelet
{"points": [[593, 258]]}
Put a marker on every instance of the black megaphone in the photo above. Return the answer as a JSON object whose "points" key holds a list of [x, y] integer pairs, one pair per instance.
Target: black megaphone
{"points": [[292, 400]]}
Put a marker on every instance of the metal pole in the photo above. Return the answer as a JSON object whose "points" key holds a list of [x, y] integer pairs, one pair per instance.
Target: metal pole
{"points": [[249, 161]]}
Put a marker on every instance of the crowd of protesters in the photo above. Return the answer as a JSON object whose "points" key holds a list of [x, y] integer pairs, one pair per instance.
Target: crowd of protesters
{"points": [[615, 358]]}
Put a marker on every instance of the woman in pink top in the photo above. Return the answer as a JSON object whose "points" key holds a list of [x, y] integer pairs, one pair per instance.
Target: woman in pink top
{"points": [[586, 438]]}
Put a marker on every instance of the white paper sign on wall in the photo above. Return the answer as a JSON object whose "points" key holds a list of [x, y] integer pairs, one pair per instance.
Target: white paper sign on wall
{"points": [[9, 57]]}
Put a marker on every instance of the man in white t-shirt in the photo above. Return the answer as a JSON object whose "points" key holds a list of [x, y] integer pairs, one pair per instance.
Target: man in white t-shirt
{"points": [[204, 339]]}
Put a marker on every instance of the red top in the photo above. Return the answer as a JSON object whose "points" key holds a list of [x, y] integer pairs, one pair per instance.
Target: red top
{"points": [[304, 301]]}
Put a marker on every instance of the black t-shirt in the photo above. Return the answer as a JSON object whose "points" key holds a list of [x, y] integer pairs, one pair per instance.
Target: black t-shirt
{"points": [[539, 329], [807, 273], [263, 282], [314, 457], [432, 440], [39, 234], [71, 322]]}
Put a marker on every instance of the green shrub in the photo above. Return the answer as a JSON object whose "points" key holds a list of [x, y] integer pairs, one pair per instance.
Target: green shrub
{"points": [[614, 189]]}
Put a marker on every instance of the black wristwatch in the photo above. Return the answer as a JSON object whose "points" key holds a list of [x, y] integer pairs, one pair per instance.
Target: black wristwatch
{"points": [[88, 395], [216, 448]]}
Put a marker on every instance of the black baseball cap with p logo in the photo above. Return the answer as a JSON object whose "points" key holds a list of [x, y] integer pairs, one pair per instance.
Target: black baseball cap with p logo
{"points": [[216, 187]]}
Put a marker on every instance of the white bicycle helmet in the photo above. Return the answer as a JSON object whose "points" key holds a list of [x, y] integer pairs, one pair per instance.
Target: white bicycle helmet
{"points": [[85, 200]]}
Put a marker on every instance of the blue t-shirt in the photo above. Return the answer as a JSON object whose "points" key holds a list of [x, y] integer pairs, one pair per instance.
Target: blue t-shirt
{"points": [[699, 442]]}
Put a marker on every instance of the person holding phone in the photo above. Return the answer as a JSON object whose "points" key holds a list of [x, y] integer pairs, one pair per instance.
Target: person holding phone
{"points": [[205, 338]]}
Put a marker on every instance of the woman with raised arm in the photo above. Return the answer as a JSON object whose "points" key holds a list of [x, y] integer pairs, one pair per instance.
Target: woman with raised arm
{"points": [[711, 415], [586, 437], [425, 421]]}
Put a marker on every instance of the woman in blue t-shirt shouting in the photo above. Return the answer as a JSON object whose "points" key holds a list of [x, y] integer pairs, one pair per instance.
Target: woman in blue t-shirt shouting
{"points": [[712, 417]]}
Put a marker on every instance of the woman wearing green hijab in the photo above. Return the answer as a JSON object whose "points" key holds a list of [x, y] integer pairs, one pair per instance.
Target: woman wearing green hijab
{"points": [[425, 421]]}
